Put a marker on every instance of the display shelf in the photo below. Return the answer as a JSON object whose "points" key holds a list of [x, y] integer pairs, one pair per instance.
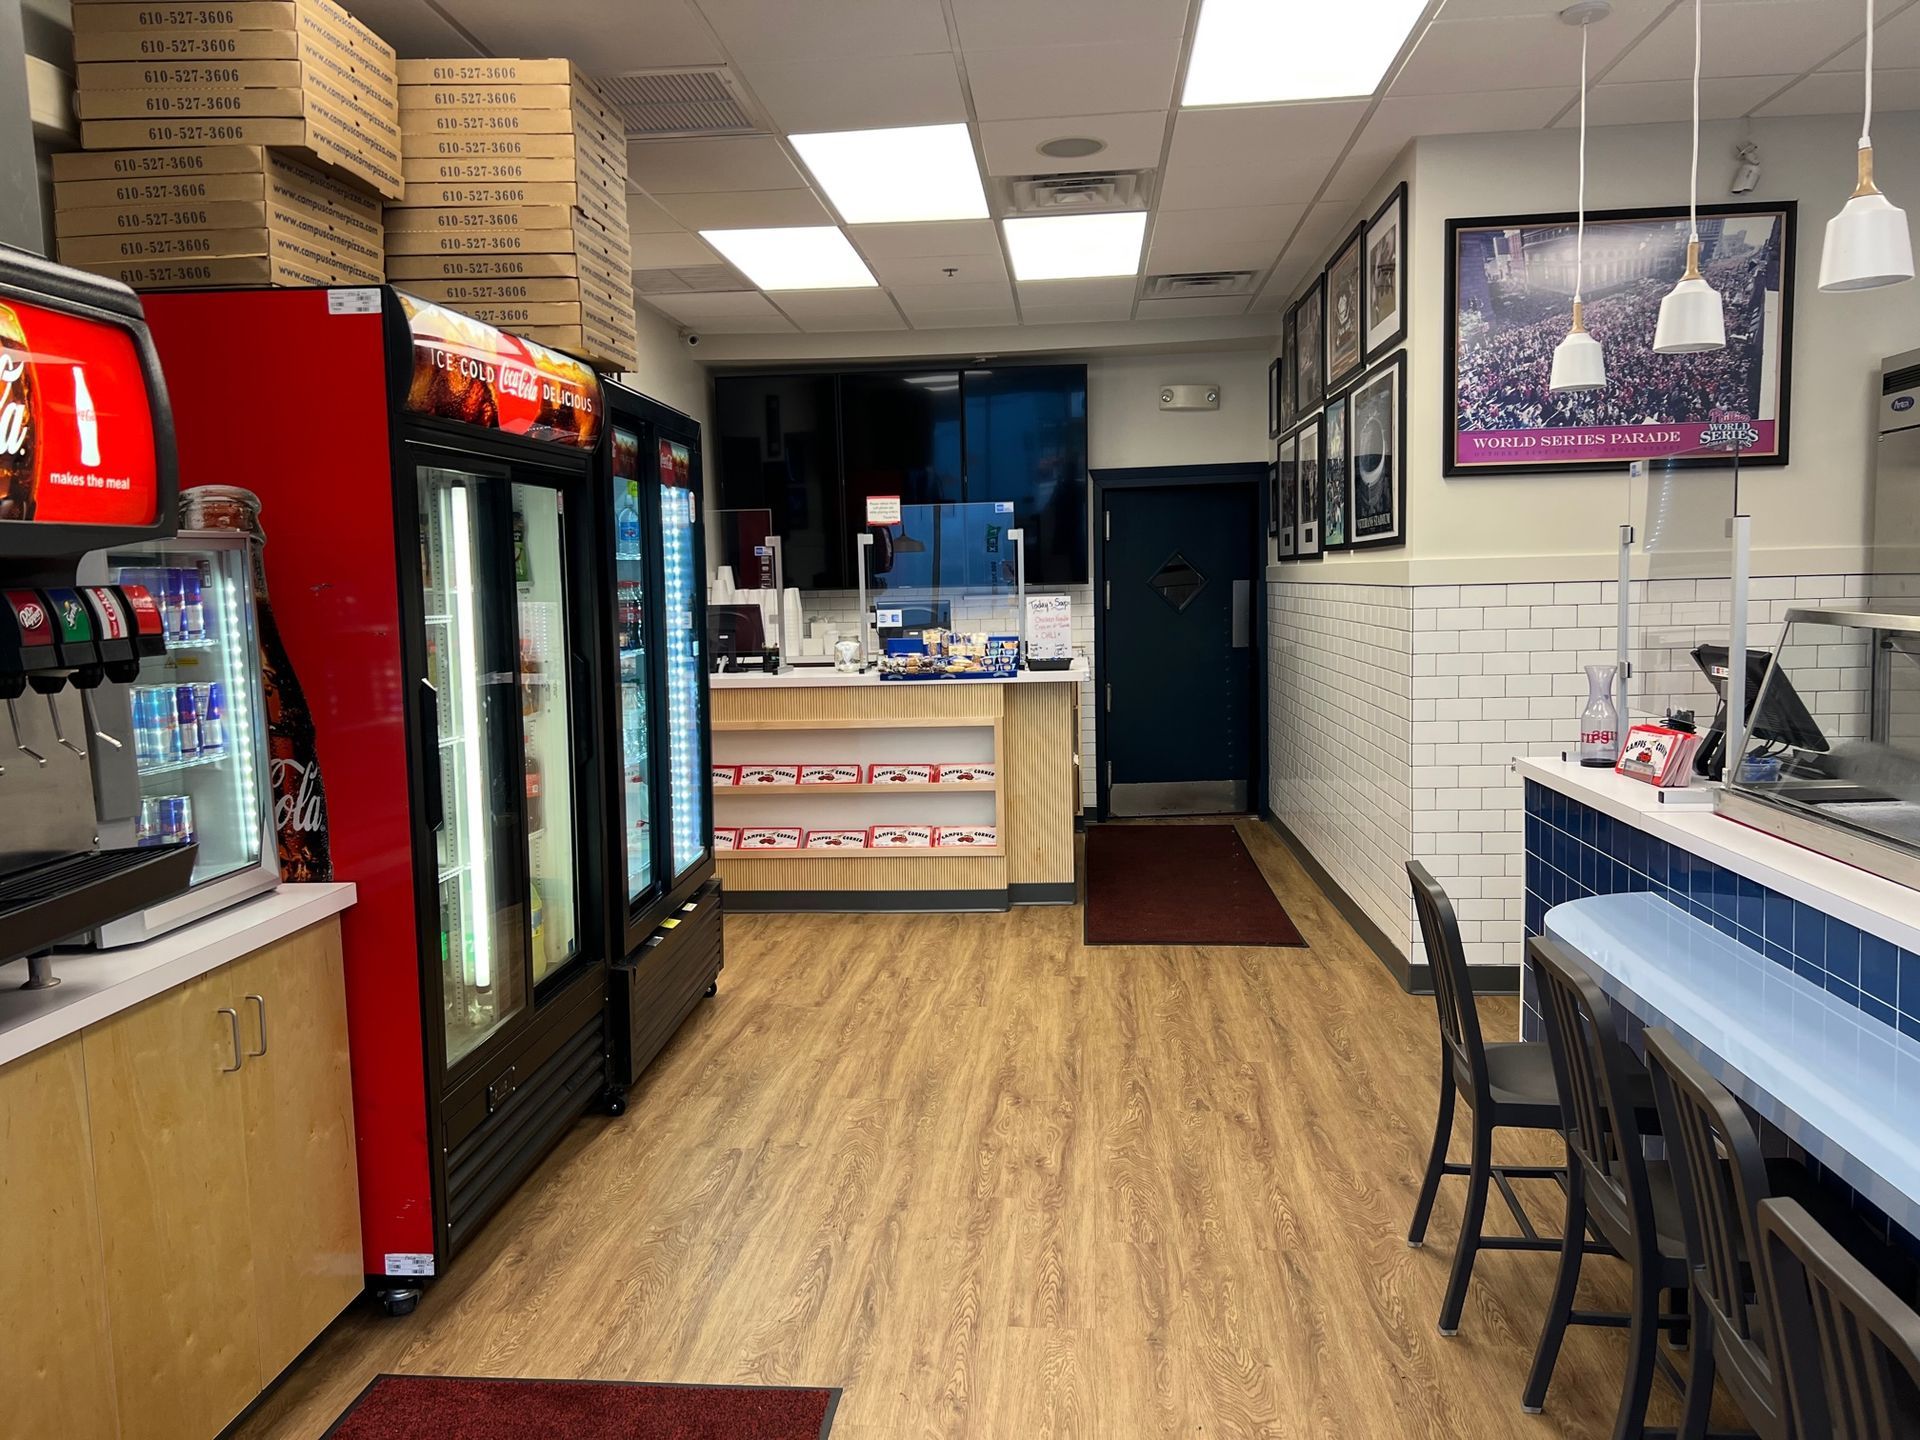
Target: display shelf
{"points": [[904, 722], [894, 852], [205, 642], [169, 767], [958, 787]]}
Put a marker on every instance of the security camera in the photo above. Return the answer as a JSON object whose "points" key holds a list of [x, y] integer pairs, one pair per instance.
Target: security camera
{"points": [[690, 337], [1746, 174]]}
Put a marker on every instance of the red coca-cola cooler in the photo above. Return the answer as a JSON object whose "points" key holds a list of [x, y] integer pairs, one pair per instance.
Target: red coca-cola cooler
{"points": [[86, 460], [426, 485]]}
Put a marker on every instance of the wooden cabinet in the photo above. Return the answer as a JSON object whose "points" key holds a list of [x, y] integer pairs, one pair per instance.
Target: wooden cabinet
{"points": [[185, 1175]]}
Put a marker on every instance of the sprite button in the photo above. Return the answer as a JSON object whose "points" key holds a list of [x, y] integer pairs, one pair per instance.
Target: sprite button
{"points": [[76, 626]]}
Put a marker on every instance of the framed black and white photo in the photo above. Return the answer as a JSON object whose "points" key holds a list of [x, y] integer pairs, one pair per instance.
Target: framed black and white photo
{"points": [[1309, 373], [1385, 261], [1377, 445], [1509, 303], [1273, 499], [1346, 321], [1309, 458], [1289, 495], [1273, 399], [1289, 362], [1336, 476]]}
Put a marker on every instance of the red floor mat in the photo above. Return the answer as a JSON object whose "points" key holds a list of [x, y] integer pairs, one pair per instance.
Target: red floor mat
{"points": [[1179, 885], [437, 1407]]}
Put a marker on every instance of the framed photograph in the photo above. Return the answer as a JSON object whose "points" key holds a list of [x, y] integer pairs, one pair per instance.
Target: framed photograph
{"points": [[1510, 302], [1289, 363], [1289, 495], [1308, 459], [1376, 451], [1336, 476], [1309, 374], [1273, 499], [1346, 337], [1273, 399], [1385, 260]]}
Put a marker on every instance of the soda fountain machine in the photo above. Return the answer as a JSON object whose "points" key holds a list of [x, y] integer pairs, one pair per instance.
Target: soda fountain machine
{"points": [[86, 461]]}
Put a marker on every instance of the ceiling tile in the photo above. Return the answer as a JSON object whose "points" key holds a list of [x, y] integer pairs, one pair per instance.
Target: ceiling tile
{"points": [[666, 250], [1230, 238], [1459, 57], [688, 167], [1742, 37], [962, 319], [1196, 307], [1072, 79], [644, 34], [746, 210], [827, 310], [931, 270], [1834, 92], [736, 313], [1006, 24], [933, 237], [1169, 257], [1114, 290], [1324, 228], [1076, 314], [827, 29], [979, 295], [1896, 45], [644, 217], [1133, 143], [414, 28], [1669, 100], [1255, 154], [1400, 118], [858, 94]]}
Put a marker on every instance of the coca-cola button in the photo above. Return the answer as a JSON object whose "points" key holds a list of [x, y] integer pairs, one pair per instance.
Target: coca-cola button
{"points": [[30, 615], [146, 613]]}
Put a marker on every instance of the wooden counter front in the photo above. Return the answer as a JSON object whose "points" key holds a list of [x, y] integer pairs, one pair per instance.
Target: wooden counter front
{"points": [[1030, 730]]}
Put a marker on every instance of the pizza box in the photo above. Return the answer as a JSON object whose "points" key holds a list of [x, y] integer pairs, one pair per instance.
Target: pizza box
{"points": [[459, 293], [572, 239], [726, 838], [190, 75], [224, 270], [93, 17], [751, 775], [336, 147], [964, 772], [900, 837], [201, 103], [513, 314], [241, 172], [486, 220], [93, 252], [461, 133], [158, 164], [331, 74], [501, 145], [461, 194], [297, 217], [497, 95], [500, 120], [491, 169], [900, 774], [314, 31], [770, 837], [836, 840], [725, 774], [979, 837], [402, 268], [609, 356], [474, 70], [844, 773]]}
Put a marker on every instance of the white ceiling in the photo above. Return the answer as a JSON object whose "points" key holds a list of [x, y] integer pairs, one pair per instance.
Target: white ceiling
{"points": [[1266, 189]]}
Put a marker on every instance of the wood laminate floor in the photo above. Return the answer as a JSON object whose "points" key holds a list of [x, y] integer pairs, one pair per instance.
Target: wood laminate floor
{"points": [[997, 1184]]}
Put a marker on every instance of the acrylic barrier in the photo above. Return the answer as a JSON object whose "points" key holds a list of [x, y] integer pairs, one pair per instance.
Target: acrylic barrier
{"points": [[949, 567]]}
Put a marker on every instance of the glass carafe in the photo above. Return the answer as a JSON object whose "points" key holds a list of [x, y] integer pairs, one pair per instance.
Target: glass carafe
{"points": [[1600, 722]]}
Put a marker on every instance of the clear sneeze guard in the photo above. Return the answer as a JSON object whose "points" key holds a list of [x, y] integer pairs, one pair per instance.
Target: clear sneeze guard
{"points": [[946, 567]]}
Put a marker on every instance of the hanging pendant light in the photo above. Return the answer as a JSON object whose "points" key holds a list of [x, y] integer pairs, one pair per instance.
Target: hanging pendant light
{"points": [[1578, 362], [1691, 317], [1867, 242]]}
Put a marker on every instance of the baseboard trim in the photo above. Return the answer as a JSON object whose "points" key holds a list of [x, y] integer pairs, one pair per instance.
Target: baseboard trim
{"points": [[1062, 892], [866, 902], [1415, 979]]}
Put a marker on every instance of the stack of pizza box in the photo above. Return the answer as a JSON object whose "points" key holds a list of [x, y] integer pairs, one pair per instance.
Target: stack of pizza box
{"points": [[251, 143], [514, 210]]}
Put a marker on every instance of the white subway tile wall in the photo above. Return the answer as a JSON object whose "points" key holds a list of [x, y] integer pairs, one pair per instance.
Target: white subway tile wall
{"points": [[1340, 743]]}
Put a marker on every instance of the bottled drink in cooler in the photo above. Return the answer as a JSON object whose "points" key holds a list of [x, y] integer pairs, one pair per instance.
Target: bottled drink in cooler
{"points": [[299, 797]]}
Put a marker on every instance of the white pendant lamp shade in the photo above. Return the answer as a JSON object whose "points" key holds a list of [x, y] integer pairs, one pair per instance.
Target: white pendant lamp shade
{"points": [[1578, 361], [1691, 317], [1868, 243]]}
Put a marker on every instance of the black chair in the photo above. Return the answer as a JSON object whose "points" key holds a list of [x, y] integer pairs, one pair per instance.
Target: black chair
{"points": [[1720, 1177], [1851, 1357], [1629, 1202], [1507, 1087]]}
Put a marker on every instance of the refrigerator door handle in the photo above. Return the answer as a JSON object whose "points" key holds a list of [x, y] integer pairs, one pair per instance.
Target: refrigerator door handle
{"points": [[430, 740]]}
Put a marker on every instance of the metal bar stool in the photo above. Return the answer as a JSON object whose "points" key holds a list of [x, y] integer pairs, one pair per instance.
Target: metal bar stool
{"points": [[1851, 1349], [1611, 1186], [1506, 1086]]}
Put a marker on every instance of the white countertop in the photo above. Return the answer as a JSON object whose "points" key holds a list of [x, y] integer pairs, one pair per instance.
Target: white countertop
{"points": [[1868, 902], [826, 677], [97, 984]]}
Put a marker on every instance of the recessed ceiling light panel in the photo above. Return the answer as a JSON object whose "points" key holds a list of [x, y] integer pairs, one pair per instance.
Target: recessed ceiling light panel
{"points": [[1075, 247], [1257, 52], [797, 257], [880, 177]]}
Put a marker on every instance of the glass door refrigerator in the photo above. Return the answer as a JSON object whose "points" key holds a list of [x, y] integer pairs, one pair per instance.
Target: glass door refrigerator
{"points": [[428, 488], [195, 772], [668, 911]]}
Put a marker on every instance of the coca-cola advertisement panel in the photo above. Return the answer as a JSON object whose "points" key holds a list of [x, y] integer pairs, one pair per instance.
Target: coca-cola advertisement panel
{"points": [[468, 371], [76, 423]]}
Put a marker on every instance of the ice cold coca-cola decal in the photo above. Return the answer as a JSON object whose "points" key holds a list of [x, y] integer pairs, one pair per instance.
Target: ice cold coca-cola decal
{"points": [[76, 433], [468, 371]]}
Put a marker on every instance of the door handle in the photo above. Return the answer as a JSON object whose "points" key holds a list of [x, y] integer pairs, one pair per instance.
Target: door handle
{"points": [[261, 1014], [1242, 613], [233, 1024], [430, 744]]}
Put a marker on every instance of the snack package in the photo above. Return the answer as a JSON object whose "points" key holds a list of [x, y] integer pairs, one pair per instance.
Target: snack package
{"points": [[980, 837], [900, 774], [837, 773], [770, 837], [894, 837], [964, 772], [725, 774], [769, 775], [836, 840]]}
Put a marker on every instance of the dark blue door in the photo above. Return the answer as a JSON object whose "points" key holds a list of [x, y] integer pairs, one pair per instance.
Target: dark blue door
{"points": [[1177, 626]]}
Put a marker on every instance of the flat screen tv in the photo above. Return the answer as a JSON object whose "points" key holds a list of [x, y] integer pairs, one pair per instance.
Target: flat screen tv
{"points": [[1026, 443]]}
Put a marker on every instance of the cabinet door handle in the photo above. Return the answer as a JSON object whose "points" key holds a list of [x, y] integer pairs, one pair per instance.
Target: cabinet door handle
{"points": [[261, 1014], [233, 1023]]}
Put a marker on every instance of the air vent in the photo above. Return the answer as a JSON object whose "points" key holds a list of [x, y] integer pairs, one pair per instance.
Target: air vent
{"points": [[1070, 194], [670, 104], [1206, 282], [704, 279]]}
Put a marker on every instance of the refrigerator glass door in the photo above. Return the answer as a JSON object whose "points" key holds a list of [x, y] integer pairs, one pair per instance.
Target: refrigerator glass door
{"points": [[553, 878], [198, 738], [630, 628], [683, 569], [473, 695]]}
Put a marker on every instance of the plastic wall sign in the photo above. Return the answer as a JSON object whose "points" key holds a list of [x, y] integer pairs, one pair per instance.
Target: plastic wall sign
{"points": [[468, 371]]}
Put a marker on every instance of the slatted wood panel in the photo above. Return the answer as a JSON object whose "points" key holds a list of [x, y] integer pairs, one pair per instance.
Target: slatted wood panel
{"points": [[1003, 1187], [56, 1364], [1041, 733], [903, 700]]}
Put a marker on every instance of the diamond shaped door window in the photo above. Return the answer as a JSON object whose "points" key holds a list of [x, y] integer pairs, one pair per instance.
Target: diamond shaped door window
{"points": [[1177, 582]]}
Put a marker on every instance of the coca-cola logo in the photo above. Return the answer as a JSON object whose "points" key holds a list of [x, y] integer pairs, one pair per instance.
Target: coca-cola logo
{"points": [[16, 426], [297, 801], [32, 617]]}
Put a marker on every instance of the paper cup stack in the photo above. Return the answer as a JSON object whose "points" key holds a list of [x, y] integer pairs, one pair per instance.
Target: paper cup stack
{"points": [[514, 210]]}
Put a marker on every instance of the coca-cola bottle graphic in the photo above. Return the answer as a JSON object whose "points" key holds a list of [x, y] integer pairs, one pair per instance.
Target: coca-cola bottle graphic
{"points": [[19, 422], [299, 798]]}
